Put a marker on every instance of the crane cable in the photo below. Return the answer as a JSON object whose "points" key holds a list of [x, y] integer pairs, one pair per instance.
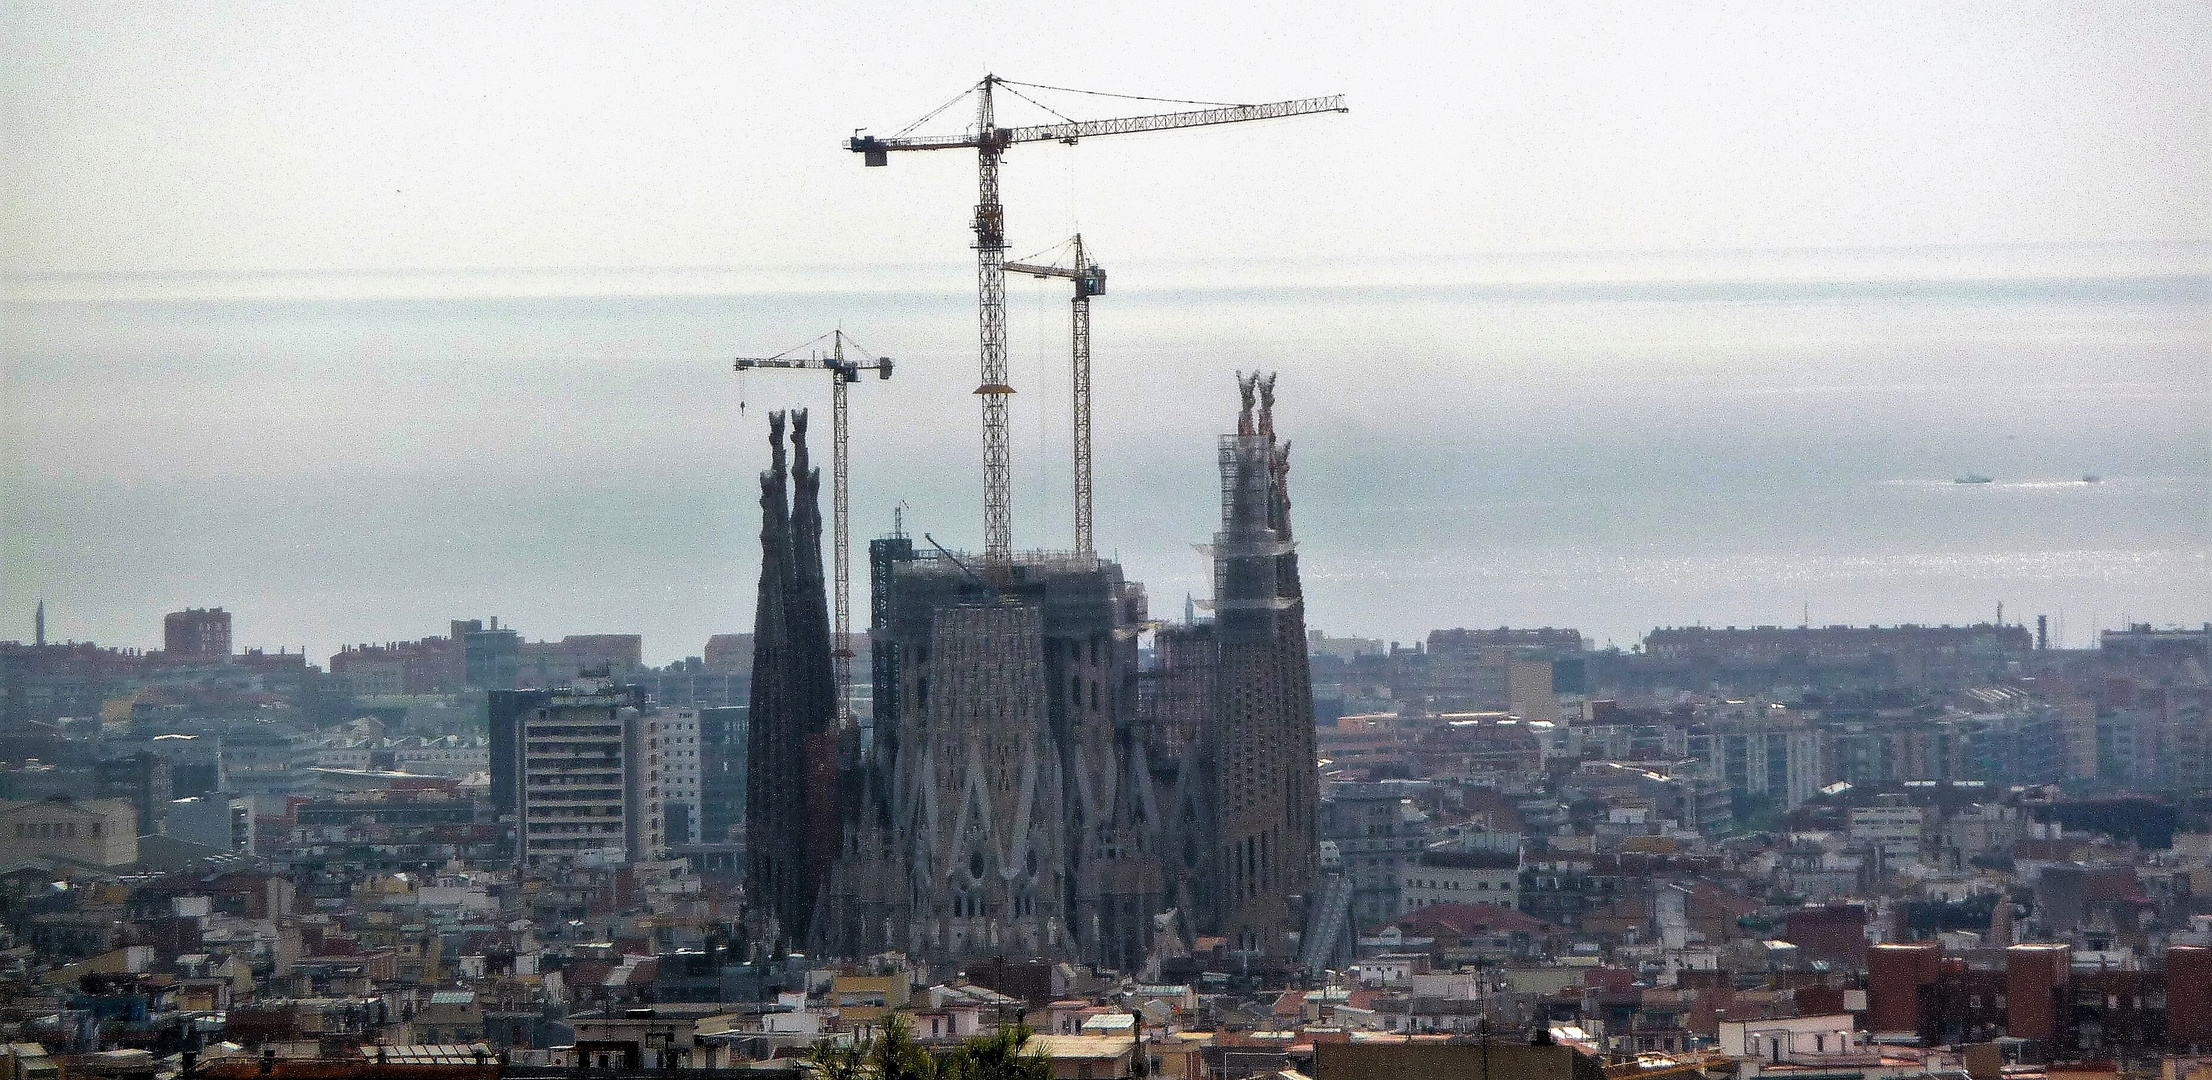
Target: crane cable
{"points": [[1039, 104], [1009, 83], [932, 114], [818, 338], [1128, 97], [1053, 251]]}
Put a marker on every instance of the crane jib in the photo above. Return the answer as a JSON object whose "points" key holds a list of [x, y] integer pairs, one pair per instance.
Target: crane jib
{"points": [[876, 151]]}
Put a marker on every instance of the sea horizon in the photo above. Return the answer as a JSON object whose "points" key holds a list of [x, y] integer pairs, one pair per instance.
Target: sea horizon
{"points": [[1613, 454]]}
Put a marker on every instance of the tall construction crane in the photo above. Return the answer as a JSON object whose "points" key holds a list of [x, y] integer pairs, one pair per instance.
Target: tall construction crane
{"points": [[1090, 281], [990, 142], [843, 373]]}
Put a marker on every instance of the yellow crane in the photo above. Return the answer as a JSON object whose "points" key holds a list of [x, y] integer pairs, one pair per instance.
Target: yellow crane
{"points": [[843, 373], [990, 142]]}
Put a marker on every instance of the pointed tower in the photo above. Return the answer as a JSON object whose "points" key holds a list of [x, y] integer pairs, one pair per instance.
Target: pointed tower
{"points": [[813, 684], [774, 791], [791, 814], [1261, 739], [807, 605]]}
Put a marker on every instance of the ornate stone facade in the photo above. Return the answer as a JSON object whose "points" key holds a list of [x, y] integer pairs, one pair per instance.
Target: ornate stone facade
{"points": [[1027, 790]]}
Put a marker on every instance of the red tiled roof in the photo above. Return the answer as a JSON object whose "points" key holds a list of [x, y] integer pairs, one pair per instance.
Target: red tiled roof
{"points": [[1468, 920]]}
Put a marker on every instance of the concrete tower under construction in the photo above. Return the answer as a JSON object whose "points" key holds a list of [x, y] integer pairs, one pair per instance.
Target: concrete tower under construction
{"points": [[984, 816], [1030, 790]]}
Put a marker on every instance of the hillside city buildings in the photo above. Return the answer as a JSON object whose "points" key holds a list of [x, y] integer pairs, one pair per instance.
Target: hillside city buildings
{"points": [[1220, 845]]}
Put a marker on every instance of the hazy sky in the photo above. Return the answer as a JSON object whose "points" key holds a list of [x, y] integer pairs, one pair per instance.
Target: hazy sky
{"points": [[1447, 276], [438, 136]]}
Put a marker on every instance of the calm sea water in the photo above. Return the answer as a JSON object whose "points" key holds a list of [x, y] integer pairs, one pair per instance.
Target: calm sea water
{"points": [[1611, 457]]}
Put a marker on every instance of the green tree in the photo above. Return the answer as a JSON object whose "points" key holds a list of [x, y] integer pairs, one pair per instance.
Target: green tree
{"points": [[997, 1056], [895, 1055], [834, 1060]]}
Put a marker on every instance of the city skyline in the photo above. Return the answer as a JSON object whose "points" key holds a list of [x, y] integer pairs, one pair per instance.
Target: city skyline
{"points": [[1749, 610]]}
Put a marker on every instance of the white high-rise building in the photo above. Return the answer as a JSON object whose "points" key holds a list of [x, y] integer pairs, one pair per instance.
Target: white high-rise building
{"points": [[675, 734], [578, 771]]}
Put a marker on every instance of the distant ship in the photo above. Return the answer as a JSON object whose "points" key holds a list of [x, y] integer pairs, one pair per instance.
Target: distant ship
{"points": [[1973, 478], [2090, 478]]}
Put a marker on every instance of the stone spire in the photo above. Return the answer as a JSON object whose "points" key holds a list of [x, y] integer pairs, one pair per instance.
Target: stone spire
{"points": [[813, 681], [791, 797], [775, 749], [1261, 737]]}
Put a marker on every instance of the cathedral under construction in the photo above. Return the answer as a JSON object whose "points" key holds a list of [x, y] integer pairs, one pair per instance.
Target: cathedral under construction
{"points": [[1029, 787]]}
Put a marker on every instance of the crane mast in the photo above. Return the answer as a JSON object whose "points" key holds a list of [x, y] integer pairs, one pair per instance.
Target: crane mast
{"points": [[843, 373], [990, 142], [1090, 281], [1080, 322], [990, 283]]}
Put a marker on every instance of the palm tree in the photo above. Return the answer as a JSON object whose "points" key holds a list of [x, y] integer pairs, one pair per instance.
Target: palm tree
{"points": [[898, 1057], [997, 1056], [894, 1055], [834, 1060]]}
